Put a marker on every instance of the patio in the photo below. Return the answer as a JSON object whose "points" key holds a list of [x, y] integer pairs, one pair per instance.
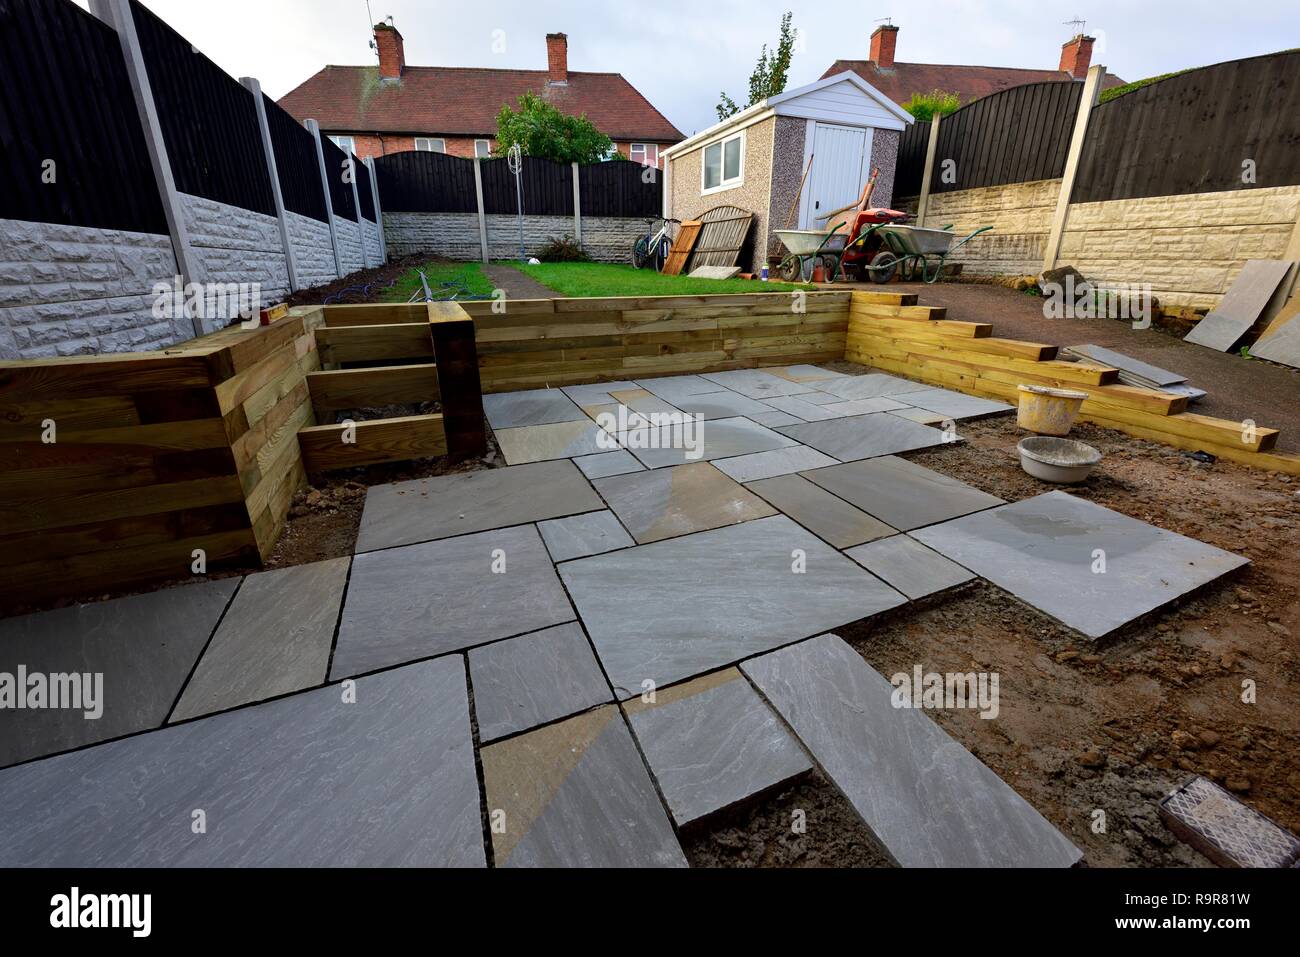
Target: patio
{"points": [[627, 640]]}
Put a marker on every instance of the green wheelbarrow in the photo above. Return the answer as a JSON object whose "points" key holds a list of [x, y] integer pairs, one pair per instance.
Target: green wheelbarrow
{"points": [[914, 252]]}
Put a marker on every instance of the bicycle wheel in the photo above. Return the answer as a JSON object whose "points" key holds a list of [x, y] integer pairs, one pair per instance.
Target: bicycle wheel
{"points": [[883, 266], [641, 252], [661, 255]]}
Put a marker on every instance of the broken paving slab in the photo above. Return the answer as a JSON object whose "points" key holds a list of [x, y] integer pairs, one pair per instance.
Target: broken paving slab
{"points": [[422, 600], [757, 384], [679, 608], [534, 679], [909, 566], [143, 645], [275, 639], [542, 443], [312, 780], [424, 510], [702, 441], [1091, 569], [665, 503], [508, 410], [869, 386], [955, 405], [901, 493], [925, 798], [865, 436], [578, 536], [602, 464], [712, 743], [576, 794], [761, 465], [1227, 831], [817, 510]]}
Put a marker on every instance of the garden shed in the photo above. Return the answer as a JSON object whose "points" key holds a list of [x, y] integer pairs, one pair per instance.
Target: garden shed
{"points": [[756, 159]]}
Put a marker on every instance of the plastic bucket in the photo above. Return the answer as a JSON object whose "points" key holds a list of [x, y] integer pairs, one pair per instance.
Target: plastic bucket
{"points": [[1048, 411]]}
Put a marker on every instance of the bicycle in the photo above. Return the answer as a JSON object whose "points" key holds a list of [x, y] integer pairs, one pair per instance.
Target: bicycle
{"points": [[653, 247]]}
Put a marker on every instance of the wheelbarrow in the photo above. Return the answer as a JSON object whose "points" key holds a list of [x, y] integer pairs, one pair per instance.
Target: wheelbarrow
{"points": [[912, 251], [806, 248]]}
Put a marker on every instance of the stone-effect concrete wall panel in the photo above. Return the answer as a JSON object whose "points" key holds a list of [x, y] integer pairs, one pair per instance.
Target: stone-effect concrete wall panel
{"points": [[456, 235], [349, 234], [313, 250], [1021, 217], [374, 251], [453, 235], [235, 245]]}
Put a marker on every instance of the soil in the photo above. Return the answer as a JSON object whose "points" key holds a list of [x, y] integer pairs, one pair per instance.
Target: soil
{"points": [[364, 285]]}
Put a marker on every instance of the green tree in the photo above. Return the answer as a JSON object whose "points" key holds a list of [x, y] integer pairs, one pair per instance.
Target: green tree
{"points": [[924, 106], [542, 130], [770, 73]]}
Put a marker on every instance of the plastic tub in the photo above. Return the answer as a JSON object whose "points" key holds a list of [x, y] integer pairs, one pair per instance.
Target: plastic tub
{"points": [[1048, 411], [1063, 461]]}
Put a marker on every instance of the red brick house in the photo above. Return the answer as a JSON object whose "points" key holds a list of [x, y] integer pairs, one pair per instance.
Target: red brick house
{"points": [[898, 80], [396, 107]]}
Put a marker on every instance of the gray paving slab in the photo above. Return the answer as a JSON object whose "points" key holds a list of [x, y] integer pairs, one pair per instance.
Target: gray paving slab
{"points": [[508, 410], [864, 436], [542, 443], [712, 743], [675, 387], [805, 373], [645, 402], [616, 417], [714, 272], [909, 566], [597, 393], [1044, 550], [869, 386], [864, 406], [275, 639], [955, 405], [774, 418], [1117, 360], [761, 465], [1250, 293], [717, 597], [902, 493], [715, 439], [576, 794], [578, 536], [817, 510], [924, 416], [814, 398], [534, 679], [926, 799], [756, 383], [143, 646], [721, 405], [422, 600], [618, 462], [312, 780], [1281, 343], [427, 509], [665, 503], [806, 411]]}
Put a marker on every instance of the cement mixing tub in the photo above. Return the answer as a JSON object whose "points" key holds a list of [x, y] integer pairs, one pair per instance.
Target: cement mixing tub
{"points": [[1064, 461], [1048, 411]]}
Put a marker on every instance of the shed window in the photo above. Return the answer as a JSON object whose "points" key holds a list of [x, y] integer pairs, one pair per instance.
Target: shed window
{"points": [[724, 165]]}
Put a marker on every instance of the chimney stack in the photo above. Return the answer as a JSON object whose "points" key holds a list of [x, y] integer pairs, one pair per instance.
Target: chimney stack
{"points": [[392, 54], [1076, 55], [557, 58], [883, 42]]}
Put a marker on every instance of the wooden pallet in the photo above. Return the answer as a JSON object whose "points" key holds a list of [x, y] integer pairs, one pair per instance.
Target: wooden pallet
{"points": [[682, 247]]}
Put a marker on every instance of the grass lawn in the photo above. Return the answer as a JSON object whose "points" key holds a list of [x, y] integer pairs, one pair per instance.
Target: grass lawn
{"points": [[582, 280], [469, 275]]}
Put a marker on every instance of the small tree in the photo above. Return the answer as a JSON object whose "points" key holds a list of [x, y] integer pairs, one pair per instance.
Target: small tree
{"points": [[542, 130], [925, 106], [770, 73]]}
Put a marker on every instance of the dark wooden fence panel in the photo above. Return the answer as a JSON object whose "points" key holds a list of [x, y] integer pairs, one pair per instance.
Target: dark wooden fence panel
{"points": [[336, 175], [208, 120], [1192, 132], [364, 193], [617, 188], [420, 182], [912, 146], [65, 97], [1014, 136], [547, 187], [296, 163]]}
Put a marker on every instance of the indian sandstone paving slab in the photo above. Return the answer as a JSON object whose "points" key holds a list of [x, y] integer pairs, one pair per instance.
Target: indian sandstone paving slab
{"points": [[646, 403], [902, 493], [761, 465], [581, 535], [310, 780], [274, 639], [717, 439], [924, 416], [805, 373], [955, 405], [806, 411], [143, 645], [870, 386], [602, 464], [926, 799], [717, 597], [756, 383], [541, 443], [616, 418], [721, 405], [576, 794], [864, 406], [597, 393], [775, 418], [428, 599], [865, 436], [428, 509], [508, 410], [674, 387], [534, 679], [665, 503], [909, 566], [712, 743], [817, 510], [1044, 550]]}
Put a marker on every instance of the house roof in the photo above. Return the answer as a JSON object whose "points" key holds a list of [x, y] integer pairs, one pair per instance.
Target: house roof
{"points": [[969, 82], [465, 101]]}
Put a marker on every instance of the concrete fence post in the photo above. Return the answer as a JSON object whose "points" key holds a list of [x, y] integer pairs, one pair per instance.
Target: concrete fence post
{"points": [[268, 150], [577, 207], [117, 14], [379, 213], [1091, 93], [482, 216], [314, 129], [931, 151]]}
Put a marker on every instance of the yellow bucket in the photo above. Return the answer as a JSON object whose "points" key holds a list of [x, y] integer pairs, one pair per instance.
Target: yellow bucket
{"points": [[1048, 411]]}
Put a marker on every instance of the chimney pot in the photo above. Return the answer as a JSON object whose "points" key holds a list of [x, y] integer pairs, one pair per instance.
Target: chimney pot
{"points": [[557, 58], [392, 53], [883, 42], [1076, 55]]}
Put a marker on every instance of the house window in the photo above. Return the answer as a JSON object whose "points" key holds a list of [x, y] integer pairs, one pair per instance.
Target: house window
{"points": [[429, 144], [483, 148], [724, 164], [647, 154], [345, 143]]}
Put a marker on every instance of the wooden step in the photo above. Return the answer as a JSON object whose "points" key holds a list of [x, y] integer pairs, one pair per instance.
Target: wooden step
{"points": [[341, 389], [376, 441]]}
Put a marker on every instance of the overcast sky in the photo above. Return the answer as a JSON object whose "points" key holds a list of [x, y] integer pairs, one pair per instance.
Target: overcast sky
{"points": [[681, 53]]}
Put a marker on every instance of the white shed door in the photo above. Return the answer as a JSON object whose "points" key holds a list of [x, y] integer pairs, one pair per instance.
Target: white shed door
{"points": [[838, 170]]}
